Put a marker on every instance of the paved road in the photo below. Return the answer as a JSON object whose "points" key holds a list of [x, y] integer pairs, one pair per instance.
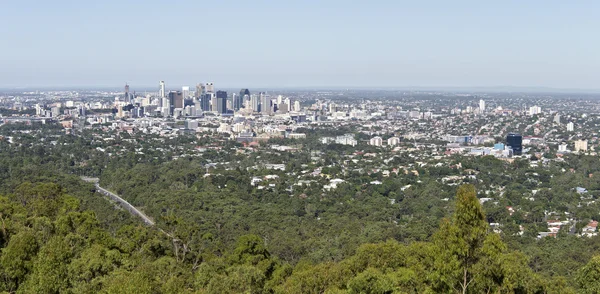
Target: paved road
{"points": [[125, 204]]}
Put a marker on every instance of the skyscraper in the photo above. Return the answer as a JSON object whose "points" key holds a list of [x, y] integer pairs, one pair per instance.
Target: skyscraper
{"points": [[175, 100], [161, 89], [515, 142], [200, 90], [221, 102], [481, 106], [166, 107], [127, 97], [210, 88], [205, 101], [185, 91], [265, 103], [255, 102], [238, 101]]}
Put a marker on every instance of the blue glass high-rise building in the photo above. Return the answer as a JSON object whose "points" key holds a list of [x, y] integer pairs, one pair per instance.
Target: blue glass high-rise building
{"points": [[205, 101], [221, 102], [515, 142], [238, 101]]}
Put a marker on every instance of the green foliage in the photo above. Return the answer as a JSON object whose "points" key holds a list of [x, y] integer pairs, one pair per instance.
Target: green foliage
{"points": [[588, 277], [226, 236]]}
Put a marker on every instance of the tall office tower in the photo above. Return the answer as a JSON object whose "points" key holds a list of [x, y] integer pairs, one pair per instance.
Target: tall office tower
{"points": [[481, 106], [282, 108], [557, 119], [200, 90], [210, 88], [255, 102], [265, 103], [166, 107], [175, 100], [570, 126], [126, 96], [205, 101], [197, 106], [288, 102], [297, 105], [221, 102], [213, 102], [244, 92], [238, 102], [331, 107], [185, 91], [515, 142], [279, 99], [161, 89]]}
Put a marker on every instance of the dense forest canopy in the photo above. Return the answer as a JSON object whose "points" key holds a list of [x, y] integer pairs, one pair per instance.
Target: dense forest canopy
{"points": [[217, 232]]}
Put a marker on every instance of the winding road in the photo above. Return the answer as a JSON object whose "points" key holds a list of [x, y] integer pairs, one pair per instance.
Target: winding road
{"points": [[120, 200], [125, 204]]}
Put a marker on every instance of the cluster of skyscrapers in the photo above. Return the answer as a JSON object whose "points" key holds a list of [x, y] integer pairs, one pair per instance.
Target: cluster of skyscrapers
{"points": [[206, 99]]}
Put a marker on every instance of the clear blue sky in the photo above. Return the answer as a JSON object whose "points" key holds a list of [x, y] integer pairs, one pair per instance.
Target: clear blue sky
{"points": [[300, 43]]}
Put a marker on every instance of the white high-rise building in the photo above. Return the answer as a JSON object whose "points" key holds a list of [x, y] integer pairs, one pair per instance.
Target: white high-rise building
{"points": [[297, 106], [255, 103], [288, 102], [581, 145], [210, 88], [265, 103], [557, 119], [570, 127], [533, 110], [393, 141], [166, 107], [481, 106], [38, 110], [161, 89], [376, 141], [185, 91], [145, 101]]}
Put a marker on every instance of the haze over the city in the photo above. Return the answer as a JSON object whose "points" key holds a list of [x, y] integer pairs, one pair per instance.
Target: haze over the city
{"points": [[300, 43]]}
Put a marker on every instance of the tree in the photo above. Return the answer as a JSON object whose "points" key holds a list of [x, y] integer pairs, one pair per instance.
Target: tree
{"points": [[371, 281], [459, 243], [17, 258], [588, 277]]}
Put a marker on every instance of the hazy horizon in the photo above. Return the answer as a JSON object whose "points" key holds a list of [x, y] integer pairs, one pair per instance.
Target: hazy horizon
{"points": [[457, 90]]}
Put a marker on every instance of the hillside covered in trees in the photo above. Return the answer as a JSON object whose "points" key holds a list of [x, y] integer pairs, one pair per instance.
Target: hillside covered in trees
{"points": [[50, 245], [218, 233]]}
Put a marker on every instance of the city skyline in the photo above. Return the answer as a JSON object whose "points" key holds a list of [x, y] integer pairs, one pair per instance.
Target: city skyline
{"points": [[301, 44]]}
